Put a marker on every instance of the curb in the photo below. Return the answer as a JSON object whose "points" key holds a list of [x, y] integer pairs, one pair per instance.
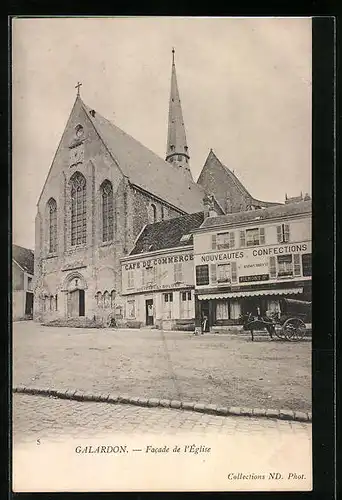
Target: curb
{"points": [[76, 395]]}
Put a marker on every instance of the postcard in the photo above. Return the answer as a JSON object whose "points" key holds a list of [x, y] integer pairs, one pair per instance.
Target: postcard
{"points": [[161, 257]]}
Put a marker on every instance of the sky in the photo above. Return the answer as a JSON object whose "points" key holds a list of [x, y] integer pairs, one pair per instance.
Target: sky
{"points": [[244, 83]]}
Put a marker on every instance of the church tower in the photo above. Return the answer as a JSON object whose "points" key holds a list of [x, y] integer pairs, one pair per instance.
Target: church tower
{"points": [[177, 151]]}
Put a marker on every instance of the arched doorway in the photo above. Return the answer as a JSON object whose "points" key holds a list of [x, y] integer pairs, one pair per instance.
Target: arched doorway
{"points": [[75, 291]]}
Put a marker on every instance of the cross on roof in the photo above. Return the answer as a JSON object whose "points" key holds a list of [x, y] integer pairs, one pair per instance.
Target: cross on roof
{"points": [[79, 84]]}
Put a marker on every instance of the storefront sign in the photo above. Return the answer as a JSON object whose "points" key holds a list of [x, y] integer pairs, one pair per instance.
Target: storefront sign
{"points": [[172, 259], [255, 277], [163, 287], [222, 256]]}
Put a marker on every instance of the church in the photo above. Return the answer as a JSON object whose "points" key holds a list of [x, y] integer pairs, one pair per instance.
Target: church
{"points": [[102, 189]]}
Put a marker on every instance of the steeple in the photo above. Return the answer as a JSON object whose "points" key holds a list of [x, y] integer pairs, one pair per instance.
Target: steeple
{"points": [[177, 149]]}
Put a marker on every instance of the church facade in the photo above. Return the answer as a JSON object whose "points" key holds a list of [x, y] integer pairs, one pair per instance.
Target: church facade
{"points": [[102, 188]]}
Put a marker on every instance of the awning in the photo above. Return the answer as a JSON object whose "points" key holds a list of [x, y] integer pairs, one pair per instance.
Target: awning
{"points": [[254, 293]]}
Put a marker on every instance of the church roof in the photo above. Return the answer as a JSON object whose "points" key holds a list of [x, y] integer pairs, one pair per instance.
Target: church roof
{"points": [[168, 233], [24, 257], [231, 177], [304, 207], [145, 169]]}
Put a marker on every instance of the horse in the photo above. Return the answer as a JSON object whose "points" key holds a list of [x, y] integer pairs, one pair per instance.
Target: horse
{"points": [[252, 323]]}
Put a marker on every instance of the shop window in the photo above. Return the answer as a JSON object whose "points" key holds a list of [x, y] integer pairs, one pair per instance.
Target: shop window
{"points": [[255, 236], [222, 309], [223, 273], [283, 233], [178, 272], [285, 265], [202, 275], [306, 264], [186, 305], [130, 282], [167, 305], [225, 240], [131, 309]]}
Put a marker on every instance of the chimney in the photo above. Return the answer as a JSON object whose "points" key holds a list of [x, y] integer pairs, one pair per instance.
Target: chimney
{"points": [[92, 112], [209, 206]]}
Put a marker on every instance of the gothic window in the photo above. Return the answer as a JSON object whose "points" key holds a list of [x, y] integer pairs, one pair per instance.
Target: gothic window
{"points": [[52, 205], [106, 299], [107, 211], [98, 298], [78, 209], [154, 213], [112, 299]]}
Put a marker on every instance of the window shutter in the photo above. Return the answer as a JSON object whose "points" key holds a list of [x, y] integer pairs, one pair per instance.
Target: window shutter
{"points": [[231, 239], [213, 241], [262, 235], [242, 239], [273, 268], [233, 268], [279, 238], [286, 232], [213, 274], [296, 265]]}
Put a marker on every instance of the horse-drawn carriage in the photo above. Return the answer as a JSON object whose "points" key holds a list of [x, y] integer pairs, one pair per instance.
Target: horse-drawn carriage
{"points": [[290, 324]]}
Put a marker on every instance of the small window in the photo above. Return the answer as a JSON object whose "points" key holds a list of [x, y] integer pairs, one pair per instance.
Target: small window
{"points": [[225, 240], [29, 283], [153, 213], [223, 273], [168, 297], [180, 157], [185, 238], [178, 272], [285, 266], [186, 296], [202, 275], [252, 237], [283, 233]]}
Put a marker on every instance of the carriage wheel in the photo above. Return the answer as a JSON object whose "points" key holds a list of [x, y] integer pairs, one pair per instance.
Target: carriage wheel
{"points": [[294, 329], [279, 332]]}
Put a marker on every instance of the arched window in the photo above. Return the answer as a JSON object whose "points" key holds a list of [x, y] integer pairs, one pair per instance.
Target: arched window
{"points": [[98, 299], [153, 213], [78, 209], [52, 206], [112, 299], [106, 299], [107, 211]]}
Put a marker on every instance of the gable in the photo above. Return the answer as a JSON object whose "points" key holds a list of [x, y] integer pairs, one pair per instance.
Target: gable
{"points": [[229, 191], [24, 258]]}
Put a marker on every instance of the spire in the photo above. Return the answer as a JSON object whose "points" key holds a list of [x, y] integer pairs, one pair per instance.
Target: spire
{"points": [[177, 149]]}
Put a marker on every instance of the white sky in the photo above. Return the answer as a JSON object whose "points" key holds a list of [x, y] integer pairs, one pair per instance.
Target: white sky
{"points": [[245, 88]]}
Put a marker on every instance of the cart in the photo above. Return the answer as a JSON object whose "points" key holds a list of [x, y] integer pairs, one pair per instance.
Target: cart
{"points": [[289, 325]]}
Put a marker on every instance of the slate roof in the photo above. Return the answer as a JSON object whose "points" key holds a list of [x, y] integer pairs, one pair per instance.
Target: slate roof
{"points": [[24, 257], [147, 170], [261, 214], [167, 234]]}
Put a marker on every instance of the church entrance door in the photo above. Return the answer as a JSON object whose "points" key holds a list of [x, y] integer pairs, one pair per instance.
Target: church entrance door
{"points": [[76, 303]]}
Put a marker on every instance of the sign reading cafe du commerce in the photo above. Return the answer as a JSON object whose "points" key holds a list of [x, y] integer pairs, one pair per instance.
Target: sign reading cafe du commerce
{"points": [[173, 259]]}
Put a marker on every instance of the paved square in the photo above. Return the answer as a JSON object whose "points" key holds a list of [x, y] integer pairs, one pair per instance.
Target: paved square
{"points": [[226, 370]]}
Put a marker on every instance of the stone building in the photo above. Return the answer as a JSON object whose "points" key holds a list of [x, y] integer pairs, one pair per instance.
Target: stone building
{"points": [[22, 282], [102, 188]]}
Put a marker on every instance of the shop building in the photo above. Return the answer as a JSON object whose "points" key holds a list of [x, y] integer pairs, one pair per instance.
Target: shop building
{"points": [[158, 276], [248, 261], [22, 280]]}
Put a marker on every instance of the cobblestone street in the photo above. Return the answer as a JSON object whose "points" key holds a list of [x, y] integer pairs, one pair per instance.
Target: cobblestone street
{"points": [[36, 417]]}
